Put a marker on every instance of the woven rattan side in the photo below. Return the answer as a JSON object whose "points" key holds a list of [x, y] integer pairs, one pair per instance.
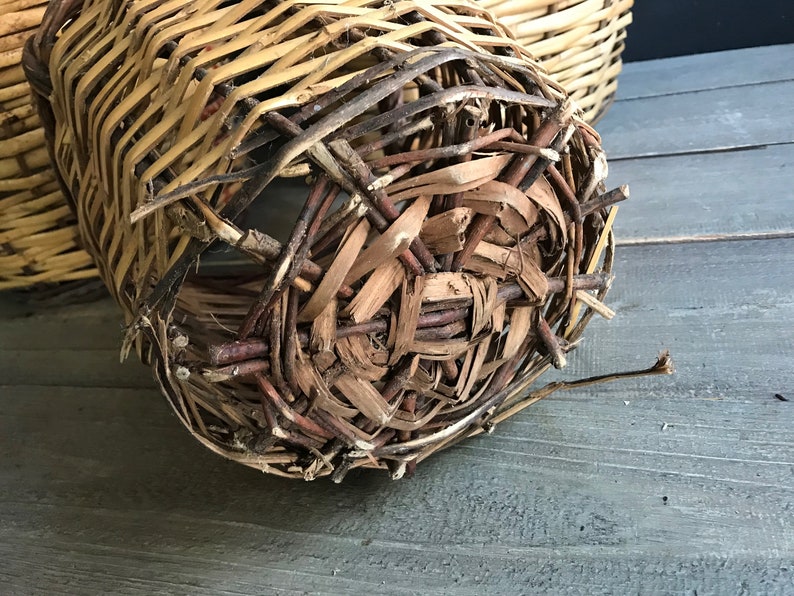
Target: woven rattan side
{"points": [[579, 42], [454, 237], [38, 233]]}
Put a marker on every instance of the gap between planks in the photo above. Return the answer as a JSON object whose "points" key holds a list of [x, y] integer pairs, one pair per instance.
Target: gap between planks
{"points": [[736, 237]]}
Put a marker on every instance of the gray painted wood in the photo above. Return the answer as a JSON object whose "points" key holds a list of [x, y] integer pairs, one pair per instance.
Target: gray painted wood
{"points": [[568, 495], [706, 71], [722, 308], [96, 325], [687, 197], [714, 120]]}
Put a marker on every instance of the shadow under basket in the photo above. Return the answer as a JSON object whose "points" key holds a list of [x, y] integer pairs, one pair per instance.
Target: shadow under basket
{"points": [[451, 242], [39, 240]]}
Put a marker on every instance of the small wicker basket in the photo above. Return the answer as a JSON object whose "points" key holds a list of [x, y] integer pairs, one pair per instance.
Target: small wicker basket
{"points": [[579, 43], [38, 233], [453, 241]]}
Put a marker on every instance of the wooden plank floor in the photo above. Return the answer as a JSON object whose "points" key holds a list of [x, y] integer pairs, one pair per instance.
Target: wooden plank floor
{"points": [[673, 485]]}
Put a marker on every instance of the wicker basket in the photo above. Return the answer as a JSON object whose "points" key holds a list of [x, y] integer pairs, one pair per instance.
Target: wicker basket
{"points": [[472, 248], [579, 42], [38, 234]]}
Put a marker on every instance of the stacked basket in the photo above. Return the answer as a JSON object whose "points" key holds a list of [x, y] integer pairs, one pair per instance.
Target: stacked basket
{"points": [[453, 242], [38, 235], [579, 42]]}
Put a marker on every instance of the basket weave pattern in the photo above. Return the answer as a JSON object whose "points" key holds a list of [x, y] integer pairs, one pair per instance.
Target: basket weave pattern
{"points": [[579, 43], [454, 218], [38, 234]]}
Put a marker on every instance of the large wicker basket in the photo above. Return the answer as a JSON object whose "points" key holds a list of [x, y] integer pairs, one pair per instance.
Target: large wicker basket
{"points": [[579, 42], [38, 233], [473, 247]]}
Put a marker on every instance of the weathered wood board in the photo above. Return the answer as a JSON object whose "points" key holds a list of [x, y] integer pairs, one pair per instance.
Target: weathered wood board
{"points": [[689, 483], [735, 194], [712, 120], [715, 70]]}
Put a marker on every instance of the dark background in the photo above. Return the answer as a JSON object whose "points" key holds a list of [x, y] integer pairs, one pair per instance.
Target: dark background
{"points": [[664, 28]]}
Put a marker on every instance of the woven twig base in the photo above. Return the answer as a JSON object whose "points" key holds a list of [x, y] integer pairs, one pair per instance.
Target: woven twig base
{"points": [[453, 243]]}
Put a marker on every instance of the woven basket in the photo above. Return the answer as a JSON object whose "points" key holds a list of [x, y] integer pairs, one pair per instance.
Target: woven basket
{"points": [[38, 234], [452, 242], [579, 42]]}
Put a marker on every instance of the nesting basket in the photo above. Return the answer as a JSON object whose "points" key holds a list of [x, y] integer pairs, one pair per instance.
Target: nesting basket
{"points": [[38, 232], [452, 242], [579, 42]]}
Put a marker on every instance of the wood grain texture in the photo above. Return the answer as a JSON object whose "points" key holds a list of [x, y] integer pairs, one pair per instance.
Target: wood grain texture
{"points": [[567, 496], [701, 72], [93, 325], [687, 197], [73, 368], [713, 120]]}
